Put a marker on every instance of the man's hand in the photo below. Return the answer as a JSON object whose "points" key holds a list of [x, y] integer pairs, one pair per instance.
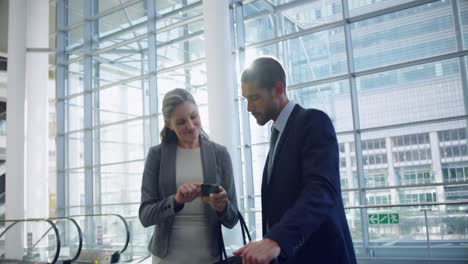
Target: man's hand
{"points": [[217, 201], [259, 252]]}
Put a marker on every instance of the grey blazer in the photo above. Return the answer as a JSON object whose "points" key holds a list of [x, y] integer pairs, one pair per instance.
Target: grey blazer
{"points": [[159, 187]]}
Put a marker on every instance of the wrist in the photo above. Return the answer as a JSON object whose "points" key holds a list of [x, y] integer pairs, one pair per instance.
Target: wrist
{"points": [[177, 202], [277, 249]]}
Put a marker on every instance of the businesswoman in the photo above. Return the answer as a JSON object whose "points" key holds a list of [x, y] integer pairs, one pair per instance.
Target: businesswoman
{"points": [[186, 224]]}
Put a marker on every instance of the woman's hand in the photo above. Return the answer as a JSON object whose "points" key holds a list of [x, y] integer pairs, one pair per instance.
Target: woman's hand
{"points": [[187, 192], [217, 201]]}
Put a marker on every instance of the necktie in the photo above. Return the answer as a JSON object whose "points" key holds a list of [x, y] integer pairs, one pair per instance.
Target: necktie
{"points": [[273, 138]]}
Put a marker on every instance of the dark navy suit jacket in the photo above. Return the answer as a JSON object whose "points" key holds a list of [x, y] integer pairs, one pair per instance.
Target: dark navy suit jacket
{"points": [[302, 208]]}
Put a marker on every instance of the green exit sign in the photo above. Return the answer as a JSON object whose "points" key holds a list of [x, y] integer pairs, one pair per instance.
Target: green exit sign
{"points": [[375, 219]]}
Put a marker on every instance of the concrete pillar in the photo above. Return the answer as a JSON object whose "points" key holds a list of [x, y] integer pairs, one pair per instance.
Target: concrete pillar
{"points": [[220, 77], [221, 91], [16, 124], [27, 108], [37, 104]]}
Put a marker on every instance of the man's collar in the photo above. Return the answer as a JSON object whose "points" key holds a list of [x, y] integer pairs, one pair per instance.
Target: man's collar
{"points": [[283, 117]]}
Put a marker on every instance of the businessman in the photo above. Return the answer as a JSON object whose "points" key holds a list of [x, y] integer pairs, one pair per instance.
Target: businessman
{"points": [[302, 211]]}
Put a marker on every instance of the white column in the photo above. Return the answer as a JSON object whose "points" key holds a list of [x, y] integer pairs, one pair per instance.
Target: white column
{"points": [[16, 123], [220, 76], [220, 82], [37, 113], [27, 108]]}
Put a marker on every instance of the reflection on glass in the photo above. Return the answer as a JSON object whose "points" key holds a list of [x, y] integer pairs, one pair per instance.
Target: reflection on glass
{"points": [[75, 114], [75, 189], [292, 20], [75, 37], [123, 19], [410, 34], [178, 17], [180, 52], [122, 142], [422, 92], [332, 98], [75, 142], [463, 9], [308, 58], [74, 78], [121, 102], [357, 7], [75, 11], [121, 183], [105, 5]]}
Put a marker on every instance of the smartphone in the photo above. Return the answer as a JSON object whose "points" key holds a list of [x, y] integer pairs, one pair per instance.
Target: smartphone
{"points": [[209, 188]]}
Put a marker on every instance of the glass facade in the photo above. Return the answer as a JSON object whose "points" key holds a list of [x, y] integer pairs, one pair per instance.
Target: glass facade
{"points": [[392, 76]]}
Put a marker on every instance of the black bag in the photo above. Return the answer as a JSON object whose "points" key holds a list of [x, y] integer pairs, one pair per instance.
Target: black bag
{"points": [[233, 259]]}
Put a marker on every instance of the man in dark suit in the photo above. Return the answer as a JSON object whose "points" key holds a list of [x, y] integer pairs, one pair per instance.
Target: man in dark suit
{"points": [[302, 210]]}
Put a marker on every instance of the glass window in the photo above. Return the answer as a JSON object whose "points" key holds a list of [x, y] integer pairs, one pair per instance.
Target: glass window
{"points": [[75, 150], [122, 19], [303, 17], [121, 102], [414, 33], [405, 86], [463, 9], [332, 98], [121, 183], [75, 117], [310, 57], [75, 189], [74, 80], [358, 7], [122, 142]]}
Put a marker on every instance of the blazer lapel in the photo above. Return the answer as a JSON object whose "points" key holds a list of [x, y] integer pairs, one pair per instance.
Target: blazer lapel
{"points": [[208, 156], [167, 178]]}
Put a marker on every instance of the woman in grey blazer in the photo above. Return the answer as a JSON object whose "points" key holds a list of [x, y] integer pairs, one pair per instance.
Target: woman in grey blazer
{"points": [[186, 224]]}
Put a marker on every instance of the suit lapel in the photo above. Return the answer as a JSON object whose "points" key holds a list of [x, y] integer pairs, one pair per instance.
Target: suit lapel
{"points": [[284, 135]]}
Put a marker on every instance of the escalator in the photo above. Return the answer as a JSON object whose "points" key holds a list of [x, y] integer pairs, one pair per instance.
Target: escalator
{"points": [[36, 240], [54, 240], [104, 239]]}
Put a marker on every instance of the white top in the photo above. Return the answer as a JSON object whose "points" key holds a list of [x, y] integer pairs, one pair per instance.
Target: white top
{"points": [[190, 241]]}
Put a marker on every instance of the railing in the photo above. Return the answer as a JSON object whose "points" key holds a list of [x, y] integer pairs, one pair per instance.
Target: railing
{"points": [[71, 241], [106, 237], [437, 230], [41, 248], [431, 231]]}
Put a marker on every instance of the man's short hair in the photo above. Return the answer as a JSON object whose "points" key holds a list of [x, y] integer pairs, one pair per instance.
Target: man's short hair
{"points": [[266, 71]]}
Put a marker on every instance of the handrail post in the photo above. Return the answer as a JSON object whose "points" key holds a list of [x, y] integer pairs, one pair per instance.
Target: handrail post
{"points": [[427, 231]]}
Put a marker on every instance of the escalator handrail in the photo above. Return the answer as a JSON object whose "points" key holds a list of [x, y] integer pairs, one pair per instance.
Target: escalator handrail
{"points": [[80, 236], [121, 218], [57, 234]]}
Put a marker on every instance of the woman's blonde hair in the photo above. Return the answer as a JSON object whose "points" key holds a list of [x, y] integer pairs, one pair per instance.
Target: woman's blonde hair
{"points": [[170, 102]]}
